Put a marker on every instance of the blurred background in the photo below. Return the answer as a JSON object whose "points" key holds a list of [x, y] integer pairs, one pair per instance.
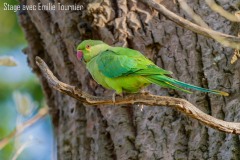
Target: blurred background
{"points": [[21, 97]]}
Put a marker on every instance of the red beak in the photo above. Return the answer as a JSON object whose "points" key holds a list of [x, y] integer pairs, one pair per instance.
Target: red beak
{"points": [[79, 55]]}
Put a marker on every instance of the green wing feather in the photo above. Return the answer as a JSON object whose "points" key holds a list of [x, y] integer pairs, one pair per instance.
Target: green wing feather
{"points": [[118, 61], [113, 65]]}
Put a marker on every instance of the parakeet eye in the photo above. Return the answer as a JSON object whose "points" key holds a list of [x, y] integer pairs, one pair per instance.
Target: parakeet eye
{"points": [[87, 46]]}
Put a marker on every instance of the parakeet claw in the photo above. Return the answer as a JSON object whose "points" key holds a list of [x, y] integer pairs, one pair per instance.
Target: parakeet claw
{"points": [[114, 98]]}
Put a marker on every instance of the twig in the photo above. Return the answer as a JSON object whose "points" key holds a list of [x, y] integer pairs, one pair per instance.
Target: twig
{"points": [[226, 40], [200, 21], [19, 129], [139, 98], [213, 5], [192, 14], [21, 149]]}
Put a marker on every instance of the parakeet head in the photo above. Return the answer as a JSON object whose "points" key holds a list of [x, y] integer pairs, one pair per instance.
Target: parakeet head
{"points": [[89, 49]]}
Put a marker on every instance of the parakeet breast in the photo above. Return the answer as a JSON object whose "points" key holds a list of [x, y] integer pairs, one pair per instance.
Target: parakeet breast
{"points": [[97, 76]]}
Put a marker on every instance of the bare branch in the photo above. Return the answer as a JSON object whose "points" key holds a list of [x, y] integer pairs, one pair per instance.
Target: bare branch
{"points": [[213, 5], [200, 21], [192, 14], [21, 149], [224, 39], [19, 129], [139, 98]]}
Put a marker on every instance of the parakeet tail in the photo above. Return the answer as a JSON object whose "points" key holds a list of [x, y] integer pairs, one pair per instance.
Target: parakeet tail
{"points": [[168, 82]]}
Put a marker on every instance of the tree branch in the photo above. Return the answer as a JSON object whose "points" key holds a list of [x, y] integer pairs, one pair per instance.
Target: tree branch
{"points": [[215, 7], [139, 98], [200, 22], [19, 129], [224, 39], [192, 14]]}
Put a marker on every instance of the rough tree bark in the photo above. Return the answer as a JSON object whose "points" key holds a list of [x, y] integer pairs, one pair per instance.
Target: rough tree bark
{"points": [[136, 132]]}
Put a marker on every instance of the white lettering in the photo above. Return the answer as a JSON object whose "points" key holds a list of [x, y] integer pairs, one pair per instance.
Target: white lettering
{"points": [[70, 7], [30, 7], [46, 7], [8, 7], [5, 6]]}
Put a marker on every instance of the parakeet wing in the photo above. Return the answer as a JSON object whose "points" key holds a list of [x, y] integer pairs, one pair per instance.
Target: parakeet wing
{"points": [[118, 61]]}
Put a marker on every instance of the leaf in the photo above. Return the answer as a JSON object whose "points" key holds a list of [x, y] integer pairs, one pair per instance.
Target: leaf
{"points": [[7, 61], [24, 103], [235, 56]]}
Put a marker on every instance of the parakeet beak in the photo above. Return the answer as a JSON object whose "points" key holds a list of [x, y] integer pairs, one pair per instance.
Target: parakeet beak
{"points": [[79, 55]]}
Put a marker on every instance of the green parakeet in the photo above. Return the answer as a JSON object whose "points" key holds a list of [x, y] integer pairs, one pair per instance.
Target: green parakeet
{"points": [[123, 69]]}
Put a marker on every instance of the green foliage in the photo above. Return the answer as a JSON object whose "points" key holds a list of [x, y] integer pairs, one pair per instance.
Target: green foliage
{"points": [[31, 86], [8, 110], [6, 152], [8, 120], [11, 34]]}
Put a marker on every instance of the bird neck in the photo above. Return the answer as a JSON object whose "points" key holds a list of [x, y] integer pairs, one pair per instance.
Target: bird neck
{"points": [[95, 51]]}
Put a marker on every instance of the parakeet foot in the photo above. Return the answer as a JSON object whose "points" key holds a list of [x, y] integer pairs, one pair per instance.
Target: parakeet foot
{"points": [[114, 97], [144, 92]]}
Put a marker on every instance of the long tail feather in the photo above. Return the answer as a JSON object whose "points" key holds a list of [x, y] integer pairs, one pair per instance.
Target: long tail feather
{"points": [[165, 81], [166, 84]]}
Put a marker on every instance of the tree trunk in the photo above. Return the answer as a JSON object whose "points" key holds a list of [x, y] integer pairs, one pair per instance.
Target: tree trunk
{"points": [[136, 132]]}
